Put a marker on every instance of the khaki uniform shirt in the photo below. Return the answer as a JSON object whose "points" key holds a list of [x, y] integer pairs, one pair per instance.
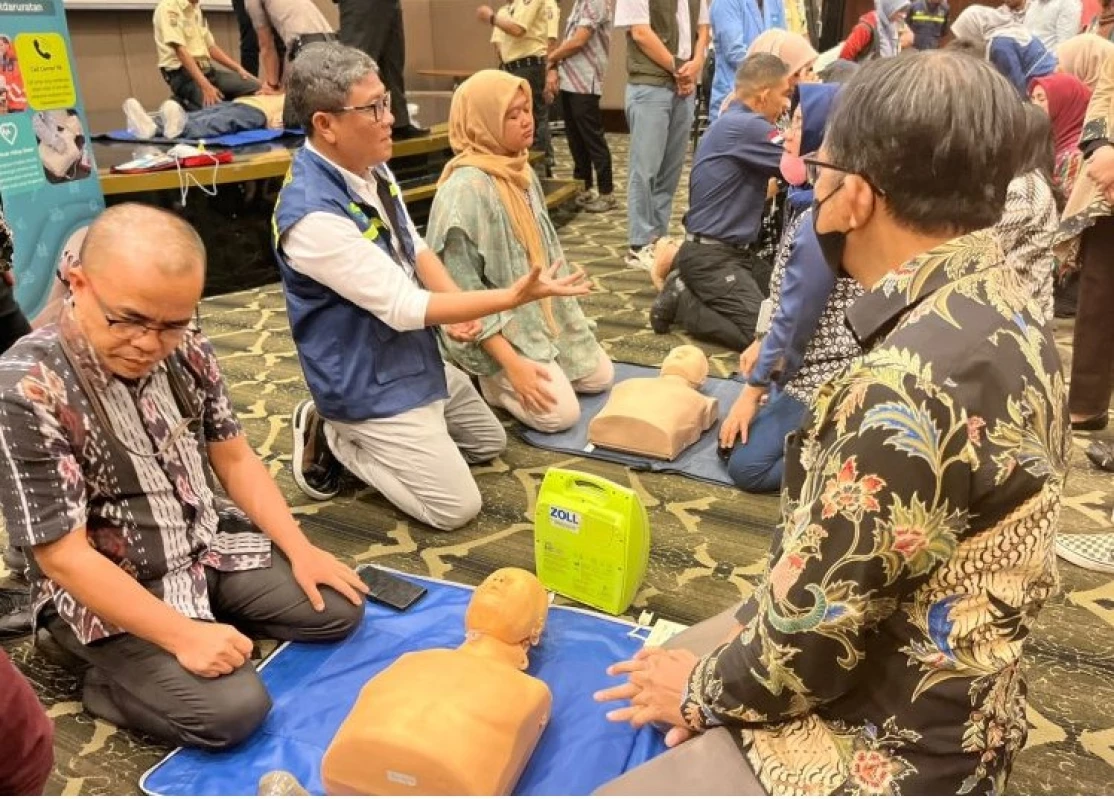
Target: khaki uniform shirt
{"points": [[534, 16], [179, 22], [290, 17]]}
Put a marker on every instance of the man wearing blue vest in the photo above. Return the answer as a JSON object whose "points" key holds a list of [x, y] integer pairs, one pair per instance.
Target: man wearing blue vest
{"points": [[363, 293]]}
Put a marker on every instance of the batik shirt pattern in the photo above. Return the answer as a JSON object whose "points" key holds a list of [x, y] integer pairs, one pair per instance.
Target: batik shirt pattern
{"points": [[881, 651]]}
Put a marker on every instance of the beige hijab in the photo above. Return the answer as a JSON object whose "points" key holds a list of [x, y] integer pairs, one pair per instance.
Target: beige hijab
{"points": [[1083, 56], [476, 118], [792, 48]]}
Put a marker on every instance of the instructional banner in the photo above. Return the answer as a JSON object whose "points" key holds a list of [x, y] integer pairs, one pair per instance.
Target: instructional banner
{"points": [[48, 180]]}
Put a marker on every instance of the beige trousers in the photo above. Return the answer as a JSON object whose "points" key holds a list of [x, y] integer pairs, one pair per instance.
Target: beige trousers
{"points": [[709, 764], [499, 393], [419, 459]]}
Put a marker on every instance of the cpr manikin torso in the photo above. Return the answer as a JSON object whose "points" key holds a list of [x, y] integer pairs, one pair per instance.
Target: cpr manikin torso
{"points": [[452, 721], [658, 416]]}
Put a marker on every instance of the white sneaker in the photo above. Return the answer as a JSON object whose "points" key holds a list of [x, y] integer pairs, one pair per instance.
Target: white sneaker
{"points": [[585, 197], [1091, 551], [641, 259], [173, 119], [140, 123]]}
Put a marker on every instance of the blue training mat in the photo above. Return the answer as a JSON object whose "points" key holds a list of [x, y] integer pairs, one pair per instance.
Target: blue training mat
{"points": [[241, 139], [699, 461], [315, 685]]}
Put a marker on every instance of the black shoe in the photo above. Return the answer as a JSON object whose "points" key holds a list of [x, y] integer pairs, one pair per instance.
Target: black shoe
{"points": [[316, 470], [403, 132], [664, 309], [1093, 423], [1101, 453], [15, 561], [15, 612]]}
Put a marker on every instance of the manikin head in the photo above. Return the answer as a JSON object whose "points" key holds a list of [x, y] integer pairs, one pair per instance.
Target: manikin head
{"points": [[337, 98], [687, 362], [509, 607]]}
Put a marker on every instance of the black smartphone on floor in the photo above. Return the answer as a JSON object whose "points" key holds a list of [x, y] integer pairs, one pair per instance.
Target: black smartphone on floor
{"points": [[389, 589]]}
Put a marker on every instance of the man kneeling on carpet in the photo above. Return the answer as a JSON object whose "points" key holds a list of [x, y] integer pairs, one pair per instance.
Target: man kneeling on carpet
{"points": [[880, 652], [109, 422], [364, 294]]}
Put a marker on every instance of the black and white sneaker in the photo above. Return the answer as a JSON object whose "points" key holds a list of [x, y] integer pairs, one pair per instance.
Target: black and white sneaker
{"points": [[316, 470]]}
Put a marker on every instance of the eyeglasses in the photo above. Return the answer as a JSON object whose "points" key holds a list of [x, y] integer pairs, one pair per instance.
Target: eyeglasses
{"points": [[377, 108], [130, 329], [814, 165]]}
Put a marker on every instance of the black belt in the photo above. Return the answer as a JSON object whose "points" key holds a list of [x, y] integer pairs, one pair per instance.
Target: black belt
{"points": [[696, 238], [528, 61], [302, 39]]}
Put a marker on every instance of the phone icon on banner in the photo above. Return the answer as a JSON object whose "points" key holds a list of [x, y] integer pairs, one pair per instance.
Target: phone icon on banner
{"points": [[43, 54]]}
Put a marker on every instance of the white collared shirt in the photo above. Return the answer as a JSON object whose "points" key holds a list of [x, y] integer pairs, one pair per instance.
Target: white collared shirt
{"points": [[331, 250]]}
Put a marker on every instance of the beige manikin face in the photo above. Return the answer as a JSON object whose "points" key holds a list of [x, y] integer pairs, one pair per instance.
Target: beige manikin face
{"points": [[510, 605], [688, 362]]}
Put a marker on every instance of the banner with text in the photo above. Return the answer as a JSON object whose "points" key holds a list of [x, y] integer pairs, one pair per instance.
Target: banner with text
{"points": [[48, 180]]}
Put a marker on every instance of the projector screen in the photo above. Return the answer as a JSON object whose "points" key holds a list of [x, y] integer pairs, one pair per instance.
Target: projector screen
{"points": [[137, 5]]}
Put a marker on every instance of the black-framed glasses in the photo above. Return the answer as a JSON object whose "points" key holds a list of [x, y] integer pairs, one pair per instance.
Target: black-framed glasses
{"points": [[131, 329], [813, 167], [377, 108]]}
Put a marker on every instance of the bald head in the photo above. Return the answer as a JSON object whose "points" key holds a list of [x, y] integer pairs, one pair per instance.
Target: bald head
{"points": [[160, 241]]}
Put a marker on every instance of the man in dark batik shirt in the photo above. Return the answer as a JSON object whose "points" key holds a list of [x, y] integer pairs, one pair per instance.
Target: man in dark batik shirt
{"points": [[880, 652], [109, 422]]}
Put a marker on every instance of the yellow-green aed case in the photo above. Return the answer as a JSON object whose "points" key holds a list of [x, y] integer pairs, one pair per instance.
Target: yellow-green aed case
{"points": [[591, 539]]}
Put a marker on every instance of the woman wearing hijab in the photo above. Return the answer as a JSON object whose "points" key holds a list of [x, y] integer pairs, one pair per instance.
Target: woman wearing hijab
{"points": [[489, 225], [1064, 98], [792, 48], [1013, 51], [806, 342], [1083, 56], [877, 34]]}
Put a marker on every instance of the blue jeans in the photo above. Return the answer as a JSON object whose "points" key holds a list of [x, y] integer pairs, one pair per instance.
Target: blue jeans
{"points": [[660, 122], [758, 465], [221, 119]]}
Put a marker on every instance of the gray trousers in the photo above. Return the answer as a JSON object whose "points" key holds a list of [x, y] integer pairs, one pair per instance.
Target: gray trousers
{"points": [[709, 764], [136, 684], [419, 459]]}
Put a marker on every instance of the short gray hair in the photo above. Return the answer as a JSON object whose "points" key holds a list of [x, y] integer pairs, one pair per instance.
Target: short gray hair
{"points": [[758, 72], [321, 78]]}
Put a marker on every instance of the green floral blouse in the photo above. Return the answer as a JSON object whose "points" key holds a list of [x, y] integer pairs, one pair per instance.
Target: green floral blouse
{"points": [[471, 232], [880, 654]]}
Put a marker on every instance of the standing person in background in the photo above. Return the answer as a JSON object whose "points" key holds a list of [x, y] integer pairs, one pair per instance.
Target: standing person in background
{"points": [[667, 41], [928, 21], [581, 65], [1004, 41], [1053, 21], [877, 33], [1083, 56], [186, 51], [735, 26], [520, 33], [375, 26], [296, 23]]}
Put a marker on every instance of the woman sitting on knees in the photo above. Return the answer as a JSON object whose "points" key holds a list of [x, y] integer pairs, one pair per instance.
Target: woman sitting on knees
{"points": [[1017, 54], [807, 342], [490, 226]]}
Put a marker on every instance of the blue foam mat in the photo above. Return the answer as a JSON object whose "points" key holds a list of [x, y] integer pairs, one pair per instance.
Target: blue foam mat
{"points": [[314, 686], [241, 139], [699, 461]]}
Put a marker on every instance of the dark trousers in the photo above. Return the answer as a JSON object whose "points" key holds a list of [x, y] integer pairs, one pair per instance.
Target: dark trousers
{"points": [[587, 143], [188, 93], [135, 684], [534, 74], [13, 324], [758, 465], [375, 26], [723, 297], [1092, 363], [249, 42]]}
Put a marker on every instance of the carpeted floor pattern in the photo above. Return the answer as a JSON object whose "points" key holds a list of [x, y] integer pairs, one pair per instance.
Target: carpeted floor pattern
{"points": [[708, 541]]}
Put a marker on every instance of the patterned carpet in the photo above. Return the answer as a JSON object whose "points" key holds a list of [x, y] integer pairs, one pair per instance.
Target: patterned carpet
{"points": [[708, 541]]}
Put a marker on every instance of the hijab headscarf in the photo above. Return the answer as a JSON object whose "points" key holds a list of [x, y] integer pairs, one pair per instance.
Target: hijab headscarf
{"points": [[1068, 98], [792, 48], [888, 34], [476, 117], [1083, 56], [983, 24], [816, 105]]}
